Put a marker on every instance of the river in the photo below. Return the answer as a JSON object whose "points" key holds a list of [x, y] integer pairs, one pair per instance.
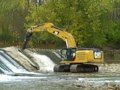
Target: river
{"points": [[61, 81], [108, 78]]}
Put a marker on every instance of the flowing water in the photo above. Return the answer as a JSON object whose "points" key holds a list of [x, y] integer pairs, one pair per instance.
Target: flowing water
{"points": [[43, 61], [103, 80], [8, 65], [58, 81]]}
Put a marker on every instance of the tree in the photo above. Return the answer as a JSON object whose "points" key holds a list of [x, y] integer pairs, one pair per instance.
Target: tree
{"points": [[12, 18], [93, 23], [87, 20]]}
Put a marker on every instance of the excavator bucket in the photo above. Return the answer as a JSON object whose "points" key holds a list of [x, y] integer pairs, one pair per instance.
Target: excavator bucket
{"points": [[26, 39]]}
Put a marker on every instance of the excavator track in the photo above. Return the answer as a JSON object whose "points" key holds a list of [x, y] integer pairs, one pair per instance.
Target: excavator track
{"points": [[76, 68], [62, 68], [83, 68]]}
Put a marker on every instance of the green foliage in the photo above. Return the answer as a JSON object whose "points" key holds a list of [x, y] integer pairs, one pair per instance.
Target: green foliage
{"points": [[87, 20], [12, 18], [113, 34], [93, 23]]}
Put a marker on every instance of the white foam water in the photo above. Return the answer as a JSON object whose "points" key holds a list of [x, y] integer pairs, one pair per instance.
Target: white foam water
{"points": [[8, 65], [44, 62], [19, 57]]}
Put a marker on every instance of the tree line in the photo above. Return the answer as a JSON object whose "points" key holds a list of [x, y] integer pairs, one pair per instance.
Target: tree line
{"points": [[93, 23]]}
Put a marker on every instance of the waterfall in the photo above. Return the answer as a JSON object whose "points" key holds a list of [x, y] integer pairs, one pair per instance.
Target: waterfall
{"points": [[44, 62], [8, 65], [12, 55]]}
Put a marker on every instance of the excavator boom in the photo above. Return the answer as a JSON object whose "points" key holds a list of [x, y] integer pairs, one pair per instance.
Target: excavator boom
{"points": [[49, 27]]}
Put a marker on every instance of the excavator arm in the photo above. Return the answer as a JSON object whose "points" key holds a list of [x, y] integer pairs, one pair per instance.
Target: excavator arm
{"points": [[49, 27]]}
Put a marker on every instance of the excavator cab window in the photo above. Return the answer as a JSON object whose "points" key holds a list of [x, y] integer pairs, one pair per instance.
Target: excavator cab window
{"points": [[68, 54]]}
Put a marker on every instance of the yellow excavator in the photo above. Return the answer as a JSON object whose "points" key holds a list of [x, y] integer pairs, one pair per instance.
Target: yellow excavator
{"points": [[74, 59]]}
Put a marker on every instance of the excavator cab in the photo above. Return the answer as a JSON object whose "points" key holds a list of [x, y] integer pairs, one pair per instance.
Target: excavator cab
{"points": [[68, 54]]}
